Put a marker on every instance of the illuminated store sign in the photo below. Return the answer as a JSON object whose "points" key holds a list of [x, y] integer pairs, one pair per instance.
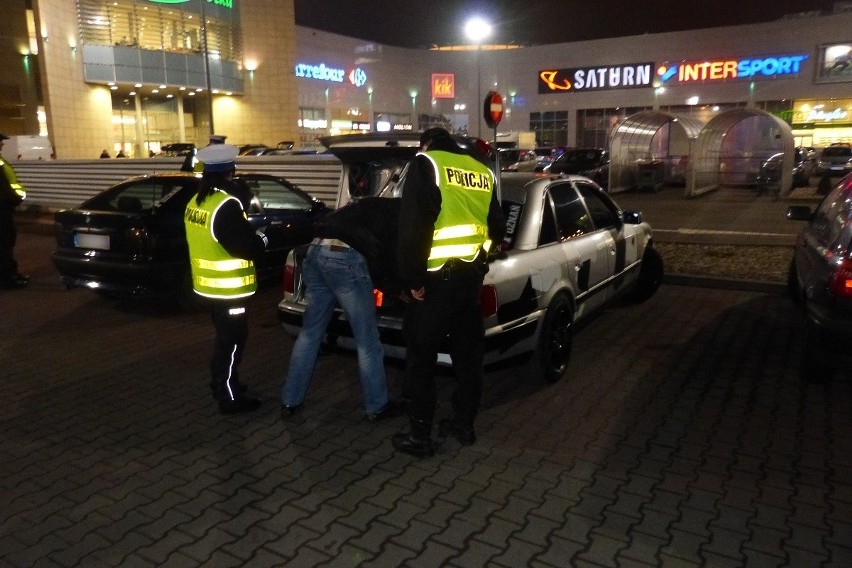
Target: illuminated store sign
{"points": [[443, 85], [822, 112], [356, 76], [385, 126], [595, 78], [223, 3], [728, 69]]}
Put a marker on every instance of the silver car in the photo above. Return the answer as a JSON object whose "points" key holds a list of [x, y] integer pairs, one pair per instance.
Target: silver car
{"points": [[569, 250]]}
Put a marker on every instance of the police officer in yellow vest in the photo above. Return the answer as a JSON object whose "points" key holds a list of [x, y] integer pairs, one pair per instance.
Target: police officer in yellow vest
{"points": [[449, 219], [11, 195], [222, 249]]}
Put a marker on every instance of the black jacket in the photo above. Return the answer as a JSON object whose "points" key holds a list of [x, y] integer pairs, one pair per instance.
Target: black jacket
{"points": [[370, 225], [421, 205]]}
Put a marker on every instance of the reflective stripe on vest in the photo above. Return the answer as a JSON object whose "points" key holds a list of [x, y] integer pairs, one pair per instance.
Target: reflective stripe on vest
{"points": [[215, 273], [461, 229], [10, 174]]}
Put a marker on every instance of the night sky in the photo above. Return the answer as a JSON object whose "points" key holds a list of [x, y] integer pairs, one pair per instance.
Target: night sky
{"points": [[423, 23]]}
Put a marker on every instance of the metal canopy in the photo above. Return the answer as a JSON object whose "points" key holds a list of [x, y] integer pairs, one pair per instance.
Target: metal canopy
{"points": [[730, 148], [650, 147]]}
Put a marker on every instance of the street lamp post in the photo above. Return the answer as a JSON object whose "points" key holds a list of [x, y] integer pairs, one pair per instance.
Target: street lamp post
{"points": [[477, 29], [206, 53]]}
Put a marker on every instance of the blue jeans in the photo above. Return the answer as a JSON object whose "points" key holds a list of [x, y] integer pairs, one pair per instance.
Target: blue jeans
{"points": [[332, 277]]}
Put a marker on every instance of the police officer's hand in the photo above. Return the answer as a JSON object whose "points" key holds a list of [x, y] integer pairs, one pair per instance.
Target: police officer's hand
{"points": [[261, 232], [419, 294], [495, 255]]}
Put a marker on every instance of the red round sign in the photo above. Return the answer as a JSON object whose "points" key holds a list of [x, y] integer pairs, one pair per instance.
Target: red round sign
{"points": [[492, 109]]}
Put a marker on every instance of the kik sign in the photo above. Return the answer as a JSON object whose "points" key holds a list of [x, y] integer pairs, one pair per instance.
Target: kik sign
{"points": [[599, 78], [728, 69], [443, 86]]}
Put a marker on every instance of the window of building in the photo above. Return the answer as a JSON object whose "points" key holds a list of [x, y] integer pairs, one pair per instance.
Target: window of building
{"points": [[154, 26]]}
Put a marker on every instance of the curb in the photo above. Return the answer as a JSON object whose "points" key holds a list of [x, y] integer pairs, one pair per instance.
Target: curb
{"points": [[726, 283]]}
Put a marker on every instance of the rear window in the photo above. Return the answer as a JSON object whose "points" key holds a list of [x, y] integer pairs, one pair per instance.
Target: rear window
{"points": [[143, 196], [837, 151], [512, 210]]}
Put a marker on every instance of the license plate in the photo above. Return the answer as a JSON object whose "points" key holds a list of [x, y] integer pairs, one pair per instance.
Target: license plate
{"points": [[91, 241]]}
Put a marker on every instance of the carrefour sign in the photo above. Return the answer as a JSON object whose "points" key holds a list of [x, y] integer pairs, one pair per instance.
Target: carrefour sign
{"points": [[728, 69], [597, 78], [322, 72]]}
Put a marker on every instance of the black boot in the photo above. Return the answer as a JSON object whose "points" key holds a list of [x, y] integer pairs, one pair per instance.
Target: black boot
{"points": [[239, 405], [464, 434], [417, 441]]}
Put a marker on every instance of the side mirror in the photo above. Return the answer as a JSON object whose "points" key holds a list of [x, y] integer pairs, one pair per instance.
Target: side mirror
{"points": [[632, 217], [799, 213]]}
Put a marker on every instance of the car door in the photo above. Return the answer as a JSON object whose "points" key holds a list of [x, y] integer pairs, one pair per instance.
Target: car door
{"points": [[612, 242], [585, 249], [285, 215]]}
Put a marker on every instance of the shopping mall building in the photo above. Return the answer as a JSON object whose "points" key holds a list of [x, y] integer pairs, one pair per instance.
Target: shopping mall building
{"points": [[138, 74]]}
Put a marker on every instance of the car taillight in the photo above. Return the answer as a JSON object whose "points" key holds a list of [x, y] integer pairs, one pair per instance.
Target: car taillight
{"points": [[488, 301], [378, 297], [288, 279], [840, 282]]}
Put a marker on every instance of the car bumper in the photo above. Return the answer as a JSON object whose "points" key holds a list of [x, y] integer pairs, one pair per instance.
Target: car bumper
{"points": [[121, 278], [501, 342]]}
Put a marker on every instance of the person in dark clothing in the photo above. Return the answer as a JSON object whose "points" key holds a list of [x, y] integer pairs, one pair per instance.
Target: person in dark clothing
{"points": [[222, 248], [11, 195], [449, 219], [353, 252]]}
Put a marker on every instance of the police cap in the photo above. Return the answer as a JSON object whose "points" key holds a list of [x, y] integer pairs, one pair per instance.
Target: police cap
{"points": [[218, 157]]}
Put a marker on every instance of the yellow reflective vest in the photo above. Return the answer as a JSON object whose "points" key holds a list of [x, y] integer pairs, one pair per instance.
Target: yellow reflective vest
{"points": [[12, 177], [461, 229], [215, 273]]}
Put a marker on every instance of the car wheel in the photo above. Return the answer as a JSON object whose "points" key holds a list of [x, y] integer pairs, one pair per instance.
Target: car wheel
{"points": [[650, 275], [553, 350], [816, 360]]}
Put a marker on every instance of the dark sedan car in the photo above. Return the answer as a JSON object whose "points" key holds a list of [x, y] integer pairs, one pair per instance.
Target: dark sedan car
{"points": [[770, 170], [578, 160], [129, 240], [821, 279]]}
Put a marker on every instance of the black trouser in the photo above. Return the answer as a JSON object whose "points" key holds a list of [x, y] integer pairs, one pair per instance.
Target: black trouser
{"points": [[8, 236], [450, 310], [231, 323]]}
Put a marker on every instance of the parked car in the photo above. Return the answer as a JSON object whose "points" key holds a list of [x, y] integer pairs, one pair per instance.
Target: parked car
{"points": [[176, 149], [253, 149], [820, 279], [516, 160], [568, 252], [770, 170], [129, 240], [599, 175], [579, 160], [835, 160]]}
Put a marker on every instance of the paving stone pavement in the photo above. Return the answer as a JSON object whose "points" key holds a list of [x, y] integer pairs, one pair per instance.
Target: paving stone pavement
{"points": [[681, 436]]}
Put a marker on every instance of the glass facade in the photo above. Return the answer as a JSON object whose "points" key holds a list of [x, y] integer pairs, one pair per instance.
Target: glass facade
{"points": [[154, 42]]}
